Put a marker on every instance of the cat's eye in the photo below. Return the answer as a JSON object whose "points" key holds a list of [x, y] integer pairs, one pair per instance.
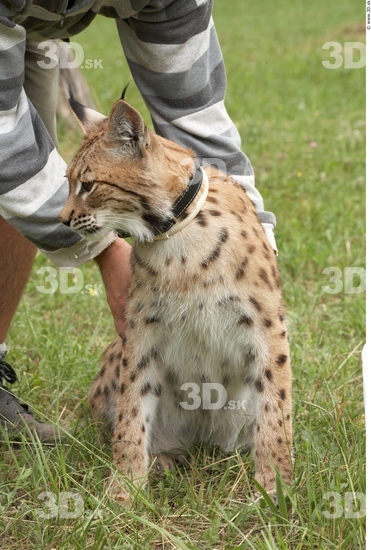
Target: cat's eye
{"points": [[87, 186]]}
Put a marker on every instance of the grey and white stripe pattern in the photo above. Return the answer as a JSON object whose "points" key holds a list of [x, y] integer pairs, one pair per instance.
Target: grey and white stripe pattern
{"points": [[174, 55], [32, 184], [33, 187]]}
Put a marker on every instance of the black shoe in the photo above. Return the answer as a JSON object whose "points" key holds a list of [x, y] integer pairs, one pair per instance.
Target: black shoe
{"points": [[16, 417]]}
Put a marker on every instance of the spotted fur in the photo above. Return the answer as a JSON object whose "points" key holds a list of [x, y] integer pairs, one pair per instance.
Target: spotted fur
{"points": [[204, 306]]}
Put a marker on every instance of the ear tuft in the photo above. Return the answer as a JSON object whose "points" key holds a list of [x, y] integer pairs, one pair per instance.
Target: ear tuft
{"points": [[124, 91], [125, 125], [87, 118]]}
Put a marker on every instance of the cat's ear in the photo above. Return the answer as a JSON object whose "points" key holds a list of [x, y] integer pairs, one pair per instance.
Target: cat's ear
{"points": [[125, 125], [87, 118]]}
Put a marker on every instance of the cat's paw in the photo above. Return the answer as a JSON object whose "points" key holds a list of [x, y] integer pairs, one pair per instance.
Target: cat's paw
{"points": [[117, 489]]}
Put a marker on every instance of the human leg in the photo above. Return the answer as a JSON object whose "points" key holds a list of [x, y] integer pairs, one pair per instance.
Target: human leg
{"points": [[41, 86], [18, 254]]}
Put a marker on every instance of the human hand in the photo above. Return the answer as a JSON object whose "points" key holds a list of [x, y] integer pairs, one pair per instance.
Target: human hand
{"points": [[114, 265]]}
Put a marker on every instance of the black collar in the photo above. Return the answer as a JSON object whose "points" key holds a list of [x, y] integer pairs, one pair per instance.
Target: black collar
{"points": [[182, 202], [159, 226]]}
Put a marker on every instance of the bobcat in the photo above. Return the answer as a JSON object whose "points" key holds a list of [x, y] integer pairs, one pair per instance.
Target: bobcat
{"points": [[204, 307]]}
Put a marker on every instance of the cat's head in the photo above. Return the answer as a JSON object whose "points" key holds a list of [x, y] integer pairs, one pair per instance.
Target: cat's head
{"points": [[123, 177]]}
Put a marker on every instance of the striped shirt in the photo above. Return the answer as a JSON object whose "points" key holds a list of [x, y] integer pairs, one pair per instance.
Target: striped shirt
{"points": [[174, 55]]}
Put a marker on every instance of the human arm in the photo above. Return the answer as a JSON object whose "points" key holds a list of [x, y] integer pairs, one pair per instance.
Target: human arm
{"points": [[114, 265], [33, 186], [176, 61]]}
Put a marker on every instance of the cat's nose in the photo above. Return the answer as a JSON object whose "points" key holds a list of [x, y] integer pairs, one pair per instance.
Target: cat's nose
{"points": [[65, 216]]}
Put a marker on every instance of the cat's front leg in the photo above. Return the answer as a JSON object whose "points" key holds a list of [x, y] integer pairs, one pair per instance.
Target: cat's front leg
{"points": [[138, 393], [273, 430]]}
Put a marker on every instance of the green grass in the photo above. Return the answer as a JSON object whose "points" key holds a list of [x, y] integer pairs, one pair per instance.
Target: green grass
{"points": [[283, 101]]}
